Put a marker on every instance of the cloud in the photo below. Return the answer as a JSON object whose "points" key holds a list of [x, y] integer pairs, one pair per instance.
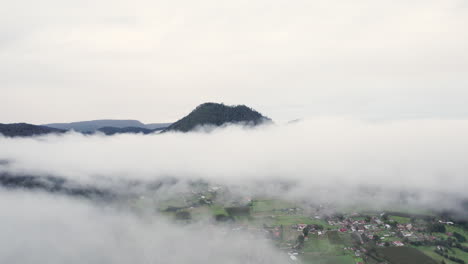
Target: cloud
{"points": [[423, 156], [58, 230]]}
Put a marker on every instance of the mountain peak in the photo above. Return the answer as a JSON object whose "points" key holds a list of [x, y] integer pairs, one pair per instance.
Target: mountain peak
{"points": [[217, 114]]}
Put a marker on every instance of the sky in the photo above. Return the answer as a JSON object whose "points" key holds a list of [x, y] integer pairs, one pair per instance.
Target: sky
{"points": [[154, 61]]}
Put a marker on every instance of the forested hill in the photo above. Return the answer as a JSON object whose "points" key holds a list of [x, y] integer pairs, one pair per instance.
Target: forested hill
{"points": [[217, 115], [26, 130]]}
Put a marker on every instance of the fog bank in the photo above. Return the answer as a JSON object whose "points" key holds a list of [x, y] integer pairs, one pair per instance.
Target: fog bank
{"points": [[428, 154]]}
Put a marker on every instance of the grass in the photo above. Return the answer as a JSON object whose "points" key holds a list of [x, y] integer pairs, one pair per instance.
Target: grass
{"points": [[319, 245], [176, 202], [463, 232], [346, 239], [334, 238], [270, 205], [357, 260], [218, 210], [460, 254], [292, 220], [327, 259], [200, 213], [325, 245], [429, 251], [298, 219], [405, 255]]}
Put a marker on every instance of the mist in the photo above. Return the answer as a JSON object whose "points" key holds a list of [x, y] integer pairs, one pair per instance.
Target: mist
{"points": [[428, 156], [50, 229]]}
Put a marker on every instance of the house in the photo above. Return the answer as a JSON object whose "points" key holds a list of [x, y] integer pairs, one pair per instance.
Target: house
{"points": [[406, 234], [447, 223], [398, 243], [301, 227]]}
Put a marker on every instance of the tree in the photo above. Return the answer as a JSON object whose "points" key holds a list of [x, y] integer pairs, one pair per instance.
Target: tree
{"points": [[300, 239], [459, 237], [436, 228], [183, 215], [306, 230]]}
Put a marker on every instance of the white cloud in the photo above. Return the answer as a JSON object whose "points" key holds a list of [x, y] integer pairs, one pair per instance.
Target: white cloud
{"points": [[39, 227], [423, 156]]}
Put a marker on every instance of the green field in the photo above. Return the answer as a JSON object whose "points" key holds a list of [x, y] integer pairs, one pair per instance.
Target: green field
{"points": [[321, 245], [327, 259], [218, 210], [270, 205], [460, 254], [338, 238], [405, 255], [327, 249], [429, 250], [463, 232], [334, 237], [298, 219]]}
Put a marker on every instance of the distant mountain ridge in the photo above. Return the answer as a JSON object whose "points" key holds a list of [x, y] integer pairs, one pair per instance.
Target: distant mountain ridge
{"points": [[132, 130], [26, 130], [212, 114], [93, 125], [217, 115]]}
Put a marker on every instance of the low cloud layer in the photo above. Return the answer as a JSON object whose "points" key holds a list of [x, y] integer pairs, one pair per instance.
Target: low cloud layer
{"points": [[49, 229], [427, 155]]}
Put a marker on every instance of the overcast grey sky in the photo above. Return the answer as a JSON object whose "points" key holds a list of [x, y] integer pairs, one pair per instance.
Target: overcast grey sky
{"points": [[156, 60]]}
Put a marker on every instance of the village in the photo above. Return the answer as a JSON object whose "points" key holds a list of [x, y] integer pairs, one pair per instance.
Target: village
{"points": [[310, 233]]}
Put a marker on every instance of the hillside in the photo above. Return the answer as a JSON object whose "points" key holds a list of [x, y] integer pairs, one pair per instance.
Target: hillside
{"points": [[217, 115], [26, 130]]}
